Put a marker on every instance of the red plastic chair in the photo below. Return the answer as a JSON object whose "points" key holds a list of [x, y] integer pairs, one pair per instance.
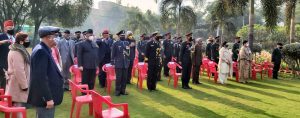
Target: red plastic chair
{"points": [[172, 66], [80, 100], [110, 76], [268, 68], [76, 74], [257, 68], [111, 111], [6, 106], [236, 71], [134, 67], [204, 66], [142, 74], [213, 70]]}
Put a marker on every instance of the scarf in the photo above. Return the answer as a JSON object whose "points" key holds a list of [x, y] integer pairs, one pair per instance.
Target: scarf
{"points": [[20, 48]]}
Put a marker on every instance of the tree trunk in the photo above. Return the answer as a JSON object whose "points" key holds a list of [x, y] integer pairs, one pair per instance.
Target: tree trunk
{"points": [[251, 23], [222, 34], [292, 27], [218, 30], [178, 20]]}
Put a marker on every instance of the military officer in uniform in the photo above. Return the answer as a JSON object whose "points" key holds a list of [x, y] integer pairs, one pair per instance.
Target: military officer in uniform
{"points": [[153, 56], [120, 59], [141, 47], [186, 61], [167, 52], [176, 50], [235, 49], [215, 49]]}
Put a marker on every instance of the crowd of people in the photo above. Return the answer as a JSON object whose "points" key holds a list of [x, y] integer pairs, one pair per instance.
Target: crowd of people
{"points": [[40, 78]]}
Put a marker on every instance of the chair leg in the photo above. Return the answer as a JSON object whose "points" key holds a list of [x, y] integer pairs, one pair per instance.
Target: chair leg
{"points": [[7, 115], [72, 109], [175, 81], [141, 84], [108, 86], [91, 109], [14, 114], [78, 110], [24, 114]]}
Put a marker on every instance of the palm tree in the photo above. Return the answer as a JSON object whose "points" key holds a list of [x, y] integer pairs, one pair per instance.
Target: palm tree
{"points": [[173, 12], [290, 13]]}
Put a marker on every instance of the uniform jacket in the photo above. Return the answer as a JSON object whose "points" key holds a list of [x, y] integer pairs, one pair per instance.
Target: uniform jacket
{"points": [[46, 81], [3, 52], [120, 54], [153, 52], [87, 54]]}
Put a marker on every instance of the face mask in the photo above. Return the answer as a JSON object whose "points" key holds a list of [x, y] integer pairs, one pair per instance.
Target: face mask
{"points": [[190, 39], [26, 44], [11, 32], [239, 42], [280, 48], [226, 46], [77, 37], [91, 38], [122, 38], [247, 44]]}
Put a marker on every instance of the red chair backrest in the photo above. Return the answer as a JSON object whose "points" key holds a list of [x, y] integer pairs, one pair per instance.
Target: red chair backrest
{"points": [[212, 66], [235, 66], [75, 89], [110, 71], [205, 62], [97, 104], [142, 67], [76, 74]]}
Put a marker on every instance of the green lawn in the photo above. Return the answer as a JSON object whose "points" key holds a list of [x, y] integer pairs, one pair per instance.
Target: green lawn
{"points": [[259, 99]]}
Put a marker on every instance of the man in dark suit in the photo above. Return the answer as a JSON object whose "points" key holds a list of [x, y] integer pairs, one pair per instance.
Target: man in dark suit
{"points": [[208, 51], [141, 47], [6, 38], [87, 55], [186, 61], [176, 51], [103, 55], [235, 49], [120, 59], [167, 52], [153, 57], [197, 60], [66, 48], [276, 59], [215, 49], [46, 81]]}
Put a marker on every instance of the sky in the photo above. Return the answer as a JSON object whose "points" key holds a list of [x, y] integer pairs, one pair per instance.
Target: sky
{"points": [[144, 5]]}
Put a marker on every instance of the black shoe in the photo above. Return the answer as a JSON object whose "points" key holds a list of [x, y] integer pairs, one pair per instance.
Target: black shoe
{"points": [[125, 93], [150, 90], [128, 83], [67, 89], [188, 87], [118, 94]]}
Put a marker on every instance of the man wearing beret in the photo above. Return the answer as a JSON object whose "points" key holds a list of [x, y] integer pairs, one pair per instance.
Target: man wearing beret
{"points": [[186, 61], [153, 56], [46, 81], [6, 38], [120, 59], [177, 47], [167, 52], [215, 49], [235, 49]]}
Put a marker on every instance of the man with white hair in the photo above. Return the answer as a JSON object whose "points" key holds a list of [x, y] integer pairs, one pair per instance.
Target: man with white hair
{"points": [[197, 60], [132, 46]]}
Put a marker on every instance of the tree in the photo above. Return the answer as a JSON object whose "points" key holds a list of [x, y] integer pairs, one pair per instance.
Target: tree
{"points": [[16, 10], [290, 17], [69, 13], [137, 22], [174, 13]]}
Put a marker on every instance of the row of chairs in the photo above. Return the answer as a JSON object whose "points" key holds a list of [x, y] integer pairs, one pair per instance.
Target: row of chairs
{"points": [[7, 108]]}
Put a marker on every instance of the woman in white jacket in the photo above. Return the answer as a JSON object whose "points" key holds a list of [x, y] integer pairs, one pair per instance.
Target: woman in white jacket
{"points": [[225, 63]]}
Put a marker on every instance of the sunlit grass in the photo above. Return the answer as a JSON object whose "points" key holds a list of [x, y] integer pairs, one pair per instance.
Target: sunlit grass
{"points": [[258, 99]]}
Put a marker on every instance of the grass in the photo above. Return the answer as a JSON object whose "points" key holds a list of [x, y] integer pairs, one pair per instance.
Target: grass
{"points": [[258, 99]]}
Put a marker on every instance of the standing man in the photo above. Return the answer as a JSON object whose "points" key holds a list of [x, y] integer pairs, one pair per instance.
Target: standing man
{"points": [[167, 53], [106, 38], [208, 51], [215, 49], [77, 37], [186, 61], [276, 59], [88, 59], [132, 46], [141, 47], [46, 81], [235, 49], [5, 40], [153, 56], [66, 48], [176, 51], [197, 60], [104, 50], [120, 58]]}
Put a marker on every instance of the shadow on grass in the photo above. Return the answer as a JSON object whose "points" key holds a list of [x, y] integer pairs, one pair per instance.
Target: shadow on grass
{"points": [[167, 99], [257, 84], [203, 95]]}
